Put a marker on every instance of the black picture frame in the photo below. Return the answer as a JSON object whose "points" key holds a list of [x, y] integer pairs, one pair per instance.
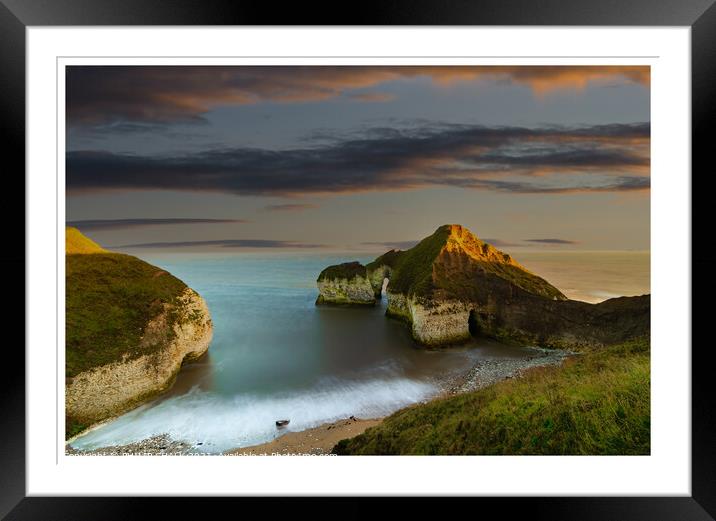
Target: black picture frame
{"points": [[700, 15]]}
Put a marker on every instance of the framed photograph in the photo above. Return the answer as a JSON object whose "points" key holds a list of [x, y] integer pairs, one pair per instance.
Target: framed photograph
{"points": [[424, 252]]}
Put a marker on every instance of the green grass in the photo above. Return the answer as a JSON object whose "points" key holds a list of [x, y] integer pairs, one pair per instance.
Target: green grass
{"points": [[413, 274], [413, 268], [347, 270], [110, 298], [389, 258], [523, 279], [596, 403], [463, 284]]}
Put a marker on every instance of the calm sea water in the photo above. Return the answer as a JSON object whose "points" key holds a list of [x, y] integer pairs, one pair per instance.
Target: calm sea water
{"points": [[275, 355], [592, 276]]}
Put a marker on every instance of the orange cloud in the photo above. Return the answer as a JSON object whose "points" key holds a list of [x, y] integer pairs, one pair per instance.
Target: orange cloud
{"points": [[101, 95]]}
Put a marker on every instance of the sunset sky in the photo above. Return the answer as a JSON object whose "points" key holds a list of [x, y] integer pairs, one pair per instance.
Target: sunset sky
{"points": [[358, 158]]}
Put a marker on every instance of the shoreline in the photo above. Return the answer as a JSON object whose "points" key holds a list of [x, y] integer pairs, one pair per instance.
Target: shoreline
{"points": [[483, 374], [318, 441], [491, 371]]}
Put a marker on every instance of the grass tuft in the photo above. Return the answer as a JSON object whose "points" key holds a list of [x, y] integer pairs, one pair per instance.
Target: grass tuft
{"points": [[421, 270], [347, 270], [413, 268], [596, 403], [110, 298]]}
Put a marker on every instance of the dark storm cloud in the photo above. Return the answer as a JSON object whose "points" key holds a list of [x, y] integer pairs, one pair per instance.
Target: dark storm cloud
{"points": [[115, 224], [391, 245], [289, 207], [224, 243], [98, 95], [85, 134], [465, 156], [620, 184], [406, 245], [499, 243], [551, 241], [555, 157]]}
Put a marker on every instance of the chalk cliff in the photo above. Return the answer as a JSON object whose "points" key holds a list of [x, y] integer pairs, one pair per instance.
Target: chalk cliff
{"points": [[129, 328], [345, 283], [452, 286]]}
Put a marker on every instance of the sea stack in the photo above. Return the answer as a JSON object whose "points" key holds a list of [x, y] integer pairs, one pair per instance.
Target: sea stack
{"points": [[129, 328], [345, 284], [452, 286]]}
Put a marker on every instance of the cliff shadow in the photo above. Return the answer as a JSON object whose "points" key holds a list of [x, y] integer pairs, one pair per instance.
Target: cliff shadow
{"points": [[473, 325], [195, 373]]}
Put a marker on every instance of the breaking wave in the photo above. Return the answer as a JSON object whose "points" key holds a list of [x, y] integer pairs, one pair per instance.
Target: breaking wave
{"points": [[246, 420]]}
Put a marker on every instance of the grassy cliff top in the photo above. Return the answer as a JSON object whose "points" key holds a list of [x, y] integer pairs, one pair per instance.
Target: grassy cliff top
{"points": [[110, 298], [347, 270], [413, 268], [597, 403], [389, 259], [76, 242], [461, 257]]}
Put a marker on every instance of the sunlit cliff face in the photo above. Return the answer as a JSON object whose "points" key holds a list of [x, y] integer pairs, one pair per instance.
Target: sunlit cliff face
{"points": [[461, 239]]}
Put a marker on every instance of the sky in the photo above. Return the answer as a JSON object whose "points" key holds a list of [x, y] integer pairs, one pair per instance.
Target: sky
{"points": [[343, 158]]}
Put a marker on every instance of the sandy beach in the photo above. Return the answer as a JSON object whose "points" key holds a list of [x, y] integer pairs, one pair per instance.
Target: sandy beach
{"points": [[317, 441]]}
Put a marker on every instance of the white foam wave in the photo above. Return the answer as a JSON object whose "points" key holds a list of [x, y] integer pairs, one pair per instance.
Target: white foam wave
{"points": [[220, 423]]}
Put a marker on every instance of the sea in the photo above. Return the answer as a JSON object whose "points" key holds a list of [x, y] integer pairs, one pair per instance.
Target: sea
{"points": [[275, 355]]}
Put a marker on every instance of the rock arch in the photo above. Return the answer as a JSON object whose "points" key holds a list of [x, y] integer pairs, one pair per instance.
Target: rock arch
{"points": [[378, 277], [384, 288]]}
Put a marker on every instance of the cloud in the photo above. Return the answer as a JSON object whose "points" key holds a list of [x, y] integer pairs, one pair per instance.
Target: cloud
{"points": [[100, 132], [405, 245], [224, 243], [601, 158], [372, 97], [499, 243], [392, 245], [289, 207], [551, 241], [621, 184], [102, 95], [116, 224]]}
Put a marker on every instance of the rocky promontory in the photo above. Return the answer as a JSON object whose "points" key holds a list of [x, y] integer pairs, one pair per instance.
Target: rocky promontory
{"points": [[129, 328], [452, 286], [345, 284]]}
